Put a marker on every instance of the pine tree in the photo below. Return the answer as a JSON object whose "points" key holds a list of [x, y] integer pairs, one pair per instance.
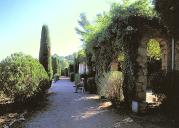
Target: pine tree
{"points": [[45, 51]]}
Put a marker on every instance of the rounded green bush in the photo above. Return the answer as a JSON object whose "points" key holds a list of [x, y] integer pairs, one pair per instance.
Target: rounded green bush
{"points": [[109, 85], [77, 78], [22, 77]]}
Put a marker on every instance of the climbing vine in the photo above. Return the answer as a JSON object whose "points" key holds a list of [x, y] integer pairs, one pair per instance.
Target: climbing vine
{"points": [[104, 39], [118, 31]]}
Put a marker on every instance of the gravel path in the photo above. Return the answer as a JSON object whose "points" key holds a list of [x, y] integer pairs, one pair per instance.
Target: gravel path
{"points": [[67, 109]]}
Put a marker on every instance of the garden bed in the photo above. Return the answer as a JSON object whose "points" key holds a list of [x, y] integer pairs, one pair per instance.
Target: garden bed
{"points": [[13, 114]]}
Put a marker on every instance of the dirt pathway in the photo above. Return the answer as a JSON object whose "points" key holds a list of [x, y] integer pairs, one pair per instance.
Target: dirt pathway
{"points": [[67, 109]]}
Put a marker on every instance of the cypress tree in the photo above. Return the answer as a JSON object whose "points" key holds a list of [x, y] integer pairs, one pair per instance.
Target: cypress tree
{"points": [[45, 51], [56, 65]]}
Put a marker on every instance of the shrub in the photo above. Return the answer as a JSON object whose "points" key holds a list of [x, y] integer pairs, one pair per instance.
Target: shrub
{"points": [[71, 68], [89, 82], [72, 76], [110, 85], [22, 77], [91, 85], [77, 78]]}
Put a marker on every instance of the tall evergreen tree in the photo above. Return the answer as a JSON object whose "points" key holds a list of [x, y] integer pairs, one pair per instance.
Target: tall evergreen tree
{"points": [[45, 51], [56, 65]]}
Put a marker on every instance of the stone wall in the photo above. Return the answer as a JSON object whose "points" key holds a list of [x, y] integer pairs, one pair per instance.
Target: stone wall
{"points": [[141, 79], [141, 60]]}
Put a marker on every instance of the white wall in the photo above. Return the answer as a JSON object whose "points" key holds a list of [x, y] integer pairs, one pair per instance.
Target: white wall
{"points": [[83, 68]]}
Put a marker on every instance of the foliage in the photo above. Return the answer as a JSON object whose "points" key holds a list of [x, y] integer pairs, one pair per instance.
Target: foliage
{"points": [[66, 61], [69, 59], [153, 49], [71, 68], [90, 30], [83, 22], [102, 21], [65, 72], [77, 78], [110, 29], [71, 71], [56, 65], [45, 51], [76, 65], [118, 11], [81, 56], [119, 31], [91, 85], [64, 64], [72, 76], [121, 57], [110, 85], [169, 11], [22, 76]]}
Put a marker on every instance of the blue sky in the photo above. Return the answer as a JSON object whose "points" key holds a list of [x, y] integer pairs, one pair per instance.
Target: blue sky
{"points": [[21, 22]]}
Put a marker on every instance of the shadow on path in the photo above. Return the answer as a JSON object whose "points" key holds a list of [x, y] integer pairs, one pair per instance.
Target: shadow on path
{"points": [[67, 109]]}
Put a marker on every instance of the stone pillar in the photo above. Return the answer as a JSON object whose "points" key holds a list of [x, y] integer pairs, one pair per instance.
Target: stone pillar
{"points": [[141, 78], [164, 51], [177, 55]]}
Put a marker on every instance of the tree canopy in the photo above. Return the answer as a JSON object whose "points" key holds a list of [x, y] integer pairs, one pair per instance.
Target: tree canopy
{"points": [[105, 38], [107, 23]]}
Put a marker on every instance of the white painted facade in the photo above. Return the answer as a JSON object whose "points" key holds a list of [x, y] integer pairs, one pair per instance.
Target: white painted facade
{"points": [[83, 68]]}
